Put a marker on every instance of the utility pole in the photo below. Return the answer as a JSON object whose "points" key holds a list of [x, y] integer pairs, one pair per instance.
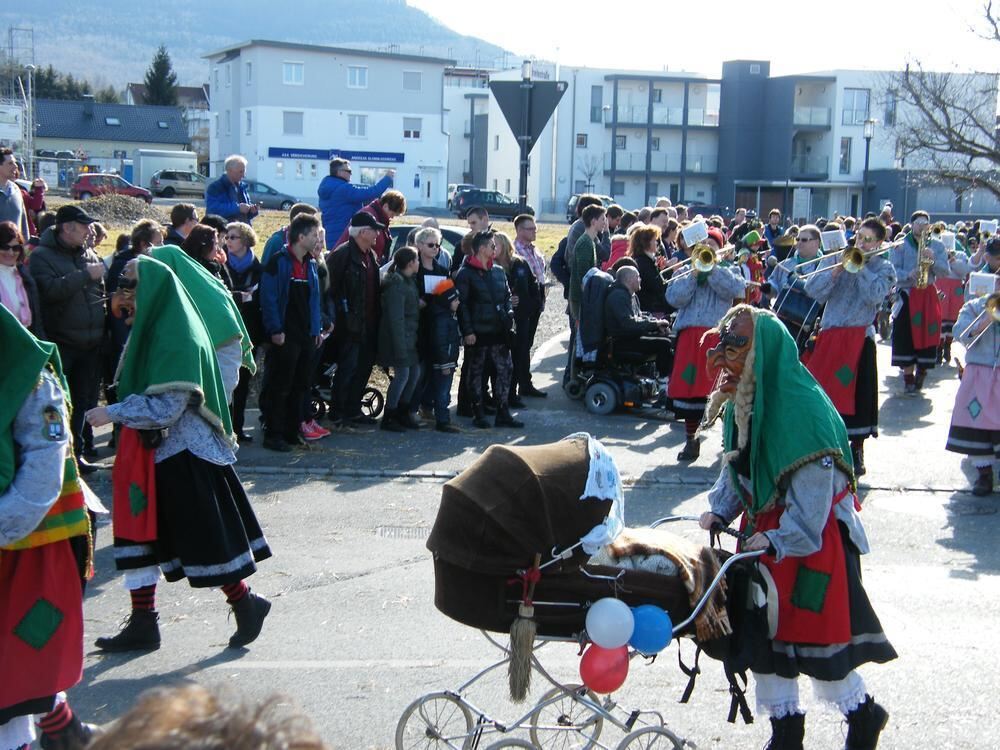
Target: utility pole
{"points": [[524, 137]]}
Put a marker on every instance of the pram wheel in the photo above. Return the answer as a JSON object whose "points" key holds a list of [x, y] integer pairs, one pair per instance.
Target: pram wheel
{"points": [[372, 402], [563, 720], [435, 720], [651, 738], [512, 742]]}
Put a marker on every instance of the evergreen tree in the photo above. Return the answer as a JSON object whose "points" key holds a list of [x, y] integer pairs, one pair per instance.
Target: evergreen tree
{"points": [[161, 81]]}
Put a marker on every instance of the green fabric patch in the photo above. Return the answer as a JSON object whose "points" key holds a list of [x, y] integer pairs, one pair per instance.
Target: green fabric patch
{"points": [[137, 500], [960, 292], [690, 374], [932, 328], [810, 589], [845, 375], [39, 624], [918, 319]]}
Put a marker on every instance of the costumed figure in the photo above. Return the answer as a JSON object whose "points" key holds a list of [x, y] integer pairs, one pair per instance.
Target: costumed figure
{"points": [[975, 420], [178, 505], [843, 358], [951, 291], [219, 311], [787, 471], [701, 299], [45, 547], [916, 329]]}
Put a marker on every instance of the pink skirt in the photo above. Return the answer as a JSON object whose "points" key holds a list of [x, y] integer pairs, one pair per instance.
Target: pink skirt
{"points": [[977, 404]]}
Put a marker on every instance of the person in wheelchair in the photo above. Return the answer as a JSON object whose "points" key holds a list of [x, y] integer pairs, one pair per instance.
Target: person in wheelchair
{"points": [[632, 333]]}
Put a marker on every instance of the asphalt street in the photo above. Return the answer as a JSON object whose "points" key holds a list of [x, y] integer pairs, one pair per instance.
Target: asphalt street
{"points": [[353, 637]]}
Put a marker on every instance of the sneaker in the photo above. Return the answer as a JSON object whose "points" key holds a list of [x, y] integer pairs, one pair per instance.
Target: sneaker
{"points": [[312, 431]]}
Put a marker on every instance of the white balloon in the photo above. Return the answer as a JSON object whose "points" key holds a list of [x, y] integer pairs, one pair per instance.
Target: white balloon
{"points": [[610, 623]]}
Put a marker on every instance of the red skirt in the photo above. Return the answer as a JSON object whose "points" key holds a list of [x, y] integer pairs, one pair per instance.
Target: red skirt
{"points": [[952, 295], [133, 482], [41, 622], [691, 377], [834, 364], [925, 317]]}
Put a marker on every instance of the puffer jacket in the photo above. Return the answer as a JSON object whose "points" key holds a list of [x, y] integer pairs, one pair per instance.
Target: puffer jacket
{"points": [[485, 308], [397, 336], [72, 303]]}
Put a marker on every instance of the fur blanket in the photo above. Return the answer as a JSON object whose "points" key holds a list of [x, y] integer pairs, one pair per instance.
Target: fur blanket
{"points": [[660, 551]]}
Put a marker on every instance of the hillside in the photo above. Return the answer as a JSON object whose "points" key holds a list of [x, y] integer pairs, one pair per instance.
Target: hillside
{"points": [[113, 41]]}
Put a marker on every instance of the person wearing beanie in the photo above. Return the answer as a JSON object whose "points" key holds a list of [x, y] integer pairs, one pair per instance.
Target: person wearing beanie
{"points": [[701, 299]]}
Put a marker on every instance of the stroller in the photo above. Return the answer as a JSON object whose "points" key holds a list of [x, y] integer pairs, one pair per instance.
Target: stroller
{"points": [[494, 519]]}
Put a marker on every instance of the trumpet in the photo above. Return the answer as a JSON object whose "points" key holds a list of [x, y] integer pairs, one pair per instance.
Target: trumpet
{"points": [[992, 309], [703, 259], [938, 228], [852, 260]]}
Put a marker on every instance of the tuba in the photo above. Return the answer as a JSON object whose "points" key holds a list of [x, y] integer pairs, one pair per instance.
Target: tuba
{"points": [[924, 264]]}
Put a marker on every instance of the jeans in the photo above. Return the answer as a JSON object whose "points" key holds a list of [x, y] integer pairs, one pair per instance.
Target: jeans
{"points": [[441, 383], [82, 368], [404, 383]]}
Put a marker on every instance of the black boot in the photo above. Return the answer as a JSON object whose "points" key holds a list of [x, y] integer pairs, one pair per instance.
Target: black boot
{"points": [[858, 454], [787, 733], [692, 449], [140, 633], [75, 736], [477, 417], [919, 378], [984, 482], [406, 419], [250, 612], [505, 419], [865, 724], [946, 347], [390, 422]]}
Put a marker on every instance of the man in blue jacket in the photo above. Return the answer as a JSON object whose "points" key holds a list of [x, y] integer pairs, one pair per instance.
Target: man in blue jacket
{"points": [[339, 200], [290, 305], [228, 196]]}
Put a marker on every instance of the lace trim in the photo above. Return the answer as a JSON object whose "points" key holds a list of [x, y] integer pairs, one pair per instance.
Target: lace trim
{"points": [[779, 710]]}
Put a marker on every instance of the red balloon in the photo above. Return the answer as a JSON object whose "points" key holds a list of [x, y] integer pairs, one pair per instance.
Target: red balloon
{"points": [[604, 670]]}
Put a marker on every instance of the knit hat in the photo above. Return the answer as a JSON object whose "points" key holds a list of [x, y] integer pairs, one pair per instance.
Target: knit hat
{"points": [[716, 234]]}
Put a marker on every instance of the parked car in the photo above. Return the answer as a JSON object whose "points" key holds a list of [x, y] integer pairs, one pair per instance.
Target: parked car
{"points": [[267, 197], [455, 188], [607, 200], [451, 236], [90, 184], [493, 201], [171, 182]]}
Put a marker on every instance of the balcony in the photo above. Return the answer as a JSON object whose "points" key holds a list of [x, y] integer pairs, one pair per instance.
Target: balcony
{"points": [[703, 163], [810, 168], [636, 162], [668, 115], [816, 117], [703, 118], [632, 115]]}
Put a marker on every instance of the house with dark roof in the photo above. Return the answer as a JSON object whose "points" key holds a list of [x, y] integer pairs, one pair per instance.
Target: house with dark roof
{"points": [[101, 135], [188, 97]]}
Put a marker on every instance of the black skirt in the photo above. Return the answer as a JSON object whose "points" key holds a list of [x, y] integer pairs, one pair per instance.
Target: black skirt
{"points": [[833, 662], [903, 353], [206, 530], [864, 422]]}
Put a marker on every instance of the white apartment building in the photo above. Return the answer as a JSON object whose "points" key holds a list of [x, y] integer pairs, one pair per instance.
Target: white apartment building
{"points": [[466, 101], [290, 108]]}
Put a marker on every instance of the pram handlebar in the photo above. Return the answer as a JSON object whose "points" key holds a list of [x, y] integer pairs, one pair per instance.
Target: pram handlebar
{"points": [[715, 582]]}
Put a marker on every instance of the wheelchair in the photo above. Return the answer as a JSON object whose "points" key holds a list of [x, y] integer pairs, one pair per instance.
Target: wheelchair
{"points": [[619, 379]]}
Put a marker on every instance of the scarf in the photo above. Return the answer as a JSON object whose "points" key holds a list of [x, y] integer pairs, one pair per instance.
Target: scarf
{"points": [[794, 421], [240, 264], [13, 295], [211, 300], [170, 348]]}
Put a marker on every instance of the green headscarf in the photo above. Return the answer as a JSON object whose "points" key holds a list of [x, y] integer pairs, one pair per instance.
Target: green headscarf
{"points": [[212, 300], [794, 421], [169, 347], [24, 359]]}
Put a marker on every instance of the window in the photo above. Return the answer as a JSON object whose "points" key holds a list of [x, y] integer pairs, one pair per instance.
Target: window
{"points": [[113, 121], [755, 69], [227, 122], [357, 126], [411, 128], [620, 142], [845, 155], [580, 186], [229, 74], [617, 187], [581, 140], [218, 125], [293, 73], [654, 190], [249, 73], [855, 107], [249, 121], [494, 183], [657, 96], [162, 124], [215, 73], [507, 190], [596, 103], [654, 143], [889, 117], [299, 174], [292, 123], [279, 169], [312, 170], [496, 143], [357, 77], [412, 80]]}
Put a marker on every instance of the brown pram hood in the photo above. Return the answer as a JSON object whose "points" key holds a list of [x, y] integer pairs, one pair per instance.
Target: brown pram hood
{"points": [[513, 502]]}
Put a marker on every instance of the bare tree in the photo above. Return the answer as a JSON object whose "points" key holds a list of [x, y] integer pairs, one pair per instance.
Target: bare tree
{"points": [[947, 122], [588, 167]]}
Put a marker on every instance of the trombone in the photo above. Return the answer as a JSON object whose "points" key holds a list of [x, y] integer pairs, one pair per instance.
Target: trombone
{"points": [[993, 310], [703, 259], [852, 260]]}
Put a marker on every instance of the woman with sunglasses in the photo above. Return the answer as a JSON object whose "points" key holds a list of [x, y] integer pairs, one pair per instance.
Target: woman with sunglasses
{"points": [[18, 290]]}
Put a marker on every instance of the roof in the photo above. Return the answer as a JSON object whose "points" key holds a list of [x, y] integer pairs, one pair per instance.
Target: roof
{"points": [[234, 48], [195, 97], [92, 121]]}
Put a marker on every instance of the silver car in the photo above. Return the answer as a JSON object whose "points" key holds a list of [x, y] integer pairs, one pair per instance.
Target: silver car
{"points": [[267, 197], [170, 182]]}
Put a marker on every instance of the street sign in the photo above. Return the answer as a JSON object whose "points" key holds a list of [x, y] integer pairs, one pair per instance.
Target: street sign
{"points": [[544, 98]]}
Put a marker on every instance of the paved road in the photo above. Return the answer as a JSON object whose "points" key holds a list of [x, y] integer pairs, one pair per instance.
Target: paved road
{"points": [[354, 636]]}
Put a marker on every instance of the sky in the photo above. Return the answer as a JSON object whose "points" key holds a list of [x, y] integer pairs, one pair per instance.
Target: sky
{"points": [[797, 36]]}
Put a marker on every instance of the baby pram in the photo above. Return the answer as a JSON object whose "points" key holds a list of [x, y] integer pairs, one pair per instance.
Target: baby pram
{"points": [[508, 506]]}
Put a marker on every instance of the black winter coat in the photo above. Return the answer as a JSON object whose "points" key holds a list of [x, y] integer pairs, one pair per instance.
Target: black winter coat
{"points": [[485, 308], [246, 281], [349, 292], [651, 293], [523, 283]]}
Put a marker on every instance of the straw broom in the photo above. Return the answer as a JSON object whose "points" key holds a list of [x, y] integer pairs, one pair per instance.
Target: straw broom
{"points": [[522, 639]]}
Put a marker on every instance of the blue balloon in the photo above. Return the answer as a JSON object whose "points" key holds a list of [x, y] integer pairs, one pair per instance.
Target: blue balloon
{"points": [[653, 629]]}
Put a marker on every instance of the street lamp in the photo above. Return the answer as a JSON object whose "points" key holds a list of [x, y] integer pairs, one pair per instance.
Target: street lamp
{"points": [[869, 133]]}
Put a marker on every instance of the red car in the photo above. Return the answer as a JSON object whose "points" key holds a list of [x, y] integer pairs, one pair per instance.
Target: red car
{"points": [[89, 184]]}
